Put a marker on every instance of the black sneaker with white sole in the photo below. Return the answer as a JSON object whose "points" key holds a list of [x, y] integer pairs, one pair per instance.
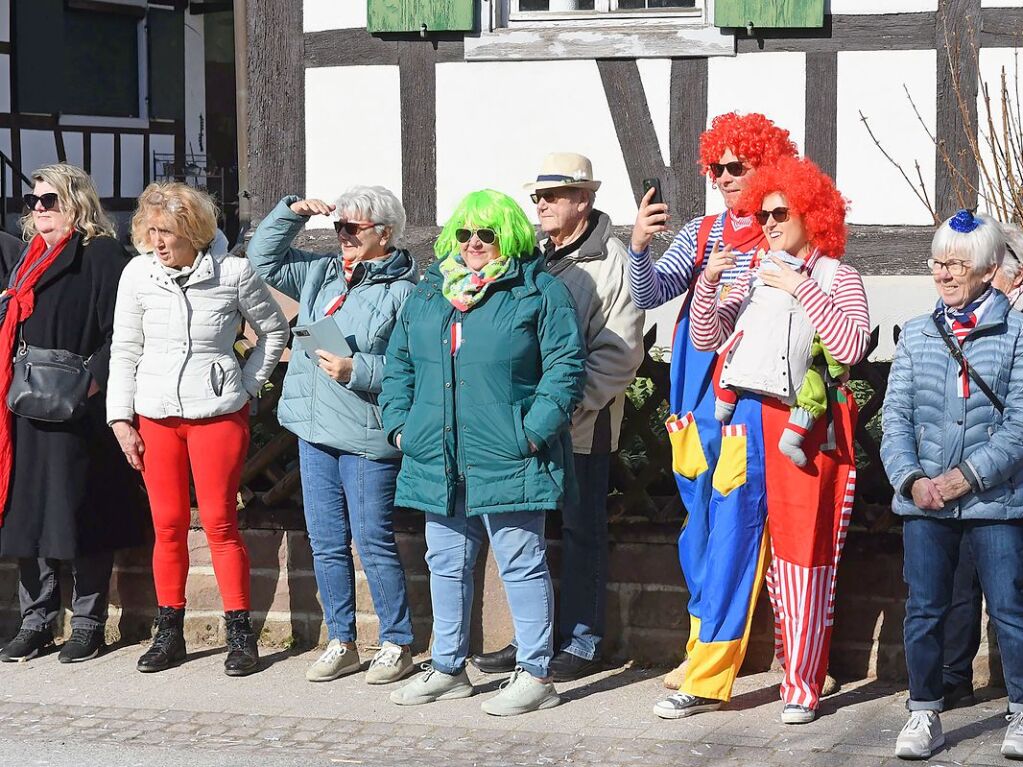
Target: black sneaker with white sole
{"points": [[682, 704], [26, 645], [84, 644]]}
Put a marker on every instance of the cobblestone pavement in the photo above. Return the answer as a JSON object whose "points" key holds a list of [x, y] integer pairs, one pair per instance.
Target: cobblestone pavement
{"points": [[104, 712]]}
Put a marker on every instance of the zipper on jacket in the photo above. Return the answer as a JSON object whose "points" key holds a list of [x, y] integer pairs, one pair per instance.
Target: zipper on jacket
{"points": [[460, 461]]}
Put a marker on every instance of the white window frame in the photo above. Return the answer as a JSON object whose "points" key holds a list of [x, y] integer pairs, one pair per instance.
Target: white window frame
{"points": [[606, 10]]}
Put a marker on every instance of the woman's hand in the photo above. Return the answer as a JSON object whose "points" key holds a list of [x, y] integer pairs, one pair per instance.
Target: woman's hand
{"points": [[926, 495], [651, 219], [952, 485], [784, 277], [338, 368], [312, 208], [131, 443], [720, 261]]}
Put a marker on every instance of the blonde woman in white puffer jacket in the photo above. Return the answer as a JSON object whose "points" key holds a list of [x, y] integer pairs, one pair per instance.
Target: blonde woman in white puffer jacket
{"points": [[178, 396]]}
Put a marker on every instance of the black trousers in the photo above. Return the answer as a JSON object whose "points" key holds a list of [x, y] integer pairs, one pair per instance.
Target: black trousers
{"points": [[962, 626], [39, 591]]}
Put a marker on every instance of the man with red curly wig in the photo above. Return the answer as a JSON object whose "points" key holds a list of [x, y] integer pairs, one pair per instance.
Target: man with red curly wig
{"points": [[722, 596], [807, 507]]}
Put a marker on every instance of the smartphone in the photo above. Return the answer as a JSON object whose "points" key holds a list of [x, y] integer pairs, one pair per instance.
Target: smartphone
{"points": [[655, 184]]}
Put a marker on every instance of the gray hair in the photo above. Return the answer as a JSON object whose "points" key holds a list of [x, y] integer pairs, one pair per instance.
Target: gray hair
{"points": [[377, 204], [984, 247], [1013, 261]]}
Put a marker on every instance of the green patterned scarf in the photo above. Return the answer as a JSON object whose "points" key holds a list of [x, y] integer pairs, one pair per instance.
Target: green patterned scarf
{"points": [[465, 288]]}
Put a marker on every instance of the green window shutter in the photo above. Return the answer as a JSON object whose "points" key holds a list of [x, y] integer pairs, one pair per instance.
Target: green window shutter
{"points": [[769, 13], [411, 15]]}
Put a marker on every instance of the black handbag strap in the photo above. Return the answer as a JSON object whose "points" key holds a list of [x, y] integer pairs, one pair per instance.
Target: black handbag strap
{"points": [[957, 354]]}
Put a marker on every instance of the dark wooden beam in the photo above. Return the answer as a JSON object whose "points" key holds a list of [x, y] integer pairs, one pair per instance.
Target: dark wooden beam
{"points": [[341, 47], [881, 32], [58, 139], [5, 48], [117, 165], [889, 250], [956, 28], [87, 151], [418, 92], [687, 119], [1001, 27], [276, 78], [627, 103], [821, 144]]}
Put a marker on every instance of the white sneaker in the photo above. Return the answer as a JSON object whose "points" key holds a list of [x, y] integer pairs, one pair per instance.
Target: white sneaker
{"points": [[921, 736], [433, 685], [521, 694], [1012, 745], [793, 713], [683, 704], [391, 663], [336, 661]]}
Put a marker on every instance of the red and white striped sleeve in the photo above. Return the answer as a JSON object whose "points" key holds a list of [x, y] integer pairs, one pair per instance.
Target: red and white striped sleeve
{"points": [[713, 320], [842, 319]]}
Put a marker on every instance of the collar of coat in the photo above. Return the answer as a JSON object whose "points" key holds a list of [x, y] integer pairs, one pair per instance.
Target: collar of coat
{"points": [[520, 277], [594, 244], [203, 269], [993, 318], [397, 265]]}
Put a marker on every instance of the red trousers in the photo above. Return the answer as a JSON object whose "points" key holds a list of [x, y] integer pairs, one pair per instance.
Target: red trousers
{"points": [[216, 449]]}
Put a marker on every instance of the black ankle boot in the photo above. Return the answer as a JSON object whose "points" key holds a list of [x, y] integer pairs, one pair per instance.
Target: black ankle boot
{"points": [[168, 648], [242, 654]]}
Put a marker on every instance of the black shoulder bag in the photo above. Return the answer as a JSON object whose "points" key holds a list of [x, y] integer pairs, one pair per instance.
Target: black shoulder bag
{"points": [[957, 354], [48, 384]]}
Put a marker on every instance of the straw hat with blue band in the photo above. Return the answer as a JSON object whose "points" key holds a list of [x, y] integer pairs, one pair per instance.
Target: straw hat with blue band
{"points": [[561, 169]]}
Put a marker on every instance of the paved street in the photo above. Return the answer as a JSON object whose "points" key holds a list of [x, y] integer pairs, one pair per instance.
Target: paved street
{"points": [[105, 713]]}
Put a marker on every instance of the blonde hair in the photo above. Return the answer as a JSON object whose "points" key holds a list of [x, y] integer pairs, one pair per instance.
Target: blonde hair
{"points": [[194, 214], [78, 200]]}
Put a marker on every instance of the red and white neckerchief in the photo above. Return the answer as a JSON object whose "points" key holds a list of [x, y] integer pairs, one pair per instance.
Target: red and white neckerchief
{"points": [[456, 337], [962, 322], [337, 303]]}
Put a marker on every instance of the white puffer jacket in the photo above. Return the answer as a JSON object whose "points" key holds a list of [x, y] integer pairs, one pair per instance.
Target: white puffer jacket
{"points": [[172, 352]]}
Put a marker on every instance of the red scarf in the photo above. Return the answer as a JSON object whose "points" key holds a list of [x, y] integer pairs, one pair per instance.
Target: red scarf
{"points": [[21, 302]]}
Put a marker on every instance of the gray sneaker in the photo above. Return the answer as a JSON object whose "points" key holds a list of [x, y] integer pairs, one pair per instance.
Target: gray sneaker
{"points": [[433, 685], [336, 661], [391, 663], [921, 736], [1012, 745], [682, 704], [521, 694]]}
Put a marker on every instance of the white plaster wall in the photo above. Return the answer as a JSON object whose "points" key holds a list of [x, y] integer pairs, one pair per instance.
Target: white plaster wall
{"points": [[872, 82], [656, 77], [738, 84], [103, 163], [195, 86], [132, 150], [5, 83], [38, 148], [333, 14], [499, 137], [880, 6], [5, 20], [346, 145], [74, 148]]}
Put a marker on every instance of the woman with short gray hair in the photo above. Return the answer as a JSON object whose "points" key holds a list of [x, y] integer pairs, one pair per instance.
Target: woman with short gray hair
{"points": [[348, 304], [1009, 277]]}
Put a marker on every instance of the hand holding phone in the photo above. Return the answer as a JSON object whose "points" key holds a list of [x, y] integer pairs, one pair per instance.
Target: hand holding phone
{"points": [[652, 217], [655, 184]]}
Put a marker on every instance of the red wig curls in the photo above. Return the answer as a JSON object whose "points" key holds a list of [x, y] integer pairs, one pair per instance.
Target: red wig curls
{"points": [[752, 138], [810, 193]]}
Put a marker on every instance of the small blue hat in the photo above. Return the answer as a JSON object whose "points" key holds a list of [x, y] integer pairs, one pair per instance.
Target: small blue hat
{"points": [[964, 221]]}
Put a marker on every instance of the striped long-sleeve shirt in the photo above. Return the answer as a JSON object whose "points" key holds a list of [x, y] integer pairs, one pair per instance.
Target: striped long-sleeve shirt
{"points": [[841, 319], [653, 284]]}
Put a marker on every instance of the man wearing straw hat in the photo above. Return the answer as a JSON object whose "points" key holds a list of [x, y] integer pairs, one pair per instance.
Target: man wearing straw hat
{"points": [[582, 251]]}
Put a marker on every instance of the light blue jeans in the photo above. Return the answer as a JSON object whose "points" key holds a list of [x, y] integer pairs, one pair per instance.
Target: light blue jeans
{"points": [[346, 496], [517, 539]]}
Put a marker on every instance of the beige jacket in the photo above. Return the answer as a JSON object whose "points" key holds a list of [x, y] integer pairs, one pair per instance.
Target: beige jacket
{"points": [[597, 276]]}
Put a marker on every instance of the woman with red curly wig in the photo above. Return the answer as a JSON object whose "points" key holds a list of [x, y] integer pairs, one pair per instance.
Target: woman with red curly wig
{"points": [[731, 151], [797, 293]]}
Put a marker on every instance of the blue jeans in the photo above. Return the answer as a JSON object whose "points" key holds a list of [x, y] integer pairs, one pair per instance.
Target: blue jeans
{"points": [[517, 539], [583, 597], [931, 555], [962, 626], [345, 497]]}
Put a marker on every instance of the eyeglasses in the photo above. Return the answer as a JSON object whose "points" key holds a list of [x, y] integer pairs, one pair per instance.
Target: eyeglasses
{"points": [[736, 169], [781, 215], [49, 200], [547, 195], [352, 228], [955, 267], [486, 236]]}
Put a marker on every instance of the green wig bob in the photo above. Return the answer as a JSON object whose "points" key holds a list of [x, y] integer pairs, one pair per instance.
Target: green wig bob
{"points": [[487, 209]]}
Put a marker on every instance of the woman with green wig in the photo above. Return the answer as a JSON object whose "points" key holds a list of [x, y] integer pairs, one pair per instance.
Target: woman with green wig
{"points": [[483, 372]]}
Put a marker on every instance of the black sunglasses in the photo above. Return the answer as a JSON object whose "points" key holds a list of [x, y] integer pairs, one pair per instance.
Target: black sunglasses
{"points": [[487, 236], [735, 169], [49, 200], [781, 215], [351, 228]]}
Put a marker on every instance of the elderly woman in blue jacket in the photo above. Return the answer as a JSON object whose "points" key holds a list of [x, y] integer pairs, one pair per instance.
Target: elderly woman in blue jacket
{"points": [[953, 450], [483, 373], [330, 403]]}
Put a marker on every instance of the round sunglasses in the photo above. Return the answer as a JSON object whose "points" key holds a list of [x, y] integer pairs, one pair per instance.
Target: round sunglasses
{"points": [[781, 215], [48, 200], [486, 236], [735, 169]]}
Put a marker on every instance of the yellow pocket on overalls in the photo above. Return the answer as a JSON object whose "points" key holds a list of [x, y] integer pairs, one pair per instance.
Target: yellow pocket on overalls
{"points": [[687, 456], [730, 472]]}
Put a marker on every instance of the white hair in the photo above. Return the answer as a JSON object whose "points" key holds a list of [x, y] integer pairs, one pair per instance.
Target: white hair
{"points": [[1013, 261], [377, 204], [984, 247]]}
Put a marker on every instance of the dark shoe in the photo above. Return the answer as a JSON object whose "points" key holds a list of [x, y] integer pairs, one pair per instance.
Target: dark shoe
{"points": [[84, 644], [566, 667], [168, 648], [242, 653], [26, 645], [959, 695], [499, 662]]}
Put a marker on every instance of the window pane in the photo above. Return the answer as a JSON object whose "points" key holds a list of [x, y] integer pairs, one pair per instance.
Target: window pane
{"points": [[636, 5], [166, 31], [545, 5], [101, 64], [533, 5]]}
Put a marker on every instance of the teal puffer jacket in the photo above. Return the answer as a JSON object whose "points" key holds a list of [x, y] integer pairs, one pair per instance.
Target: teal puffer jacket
{"points": [[516, 378], [313, 406]]}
